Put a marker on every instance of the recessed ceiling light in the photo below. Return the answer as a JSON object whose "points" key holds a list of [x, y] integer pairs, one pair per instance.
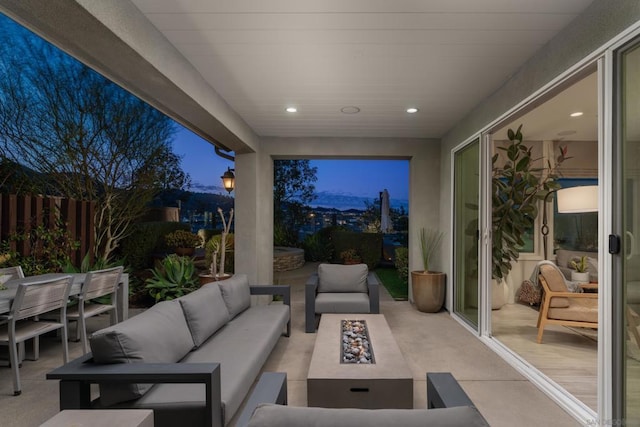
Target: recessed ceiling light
{"points": [[291, 110], [412, 110], [576, 114], [350, 110]]}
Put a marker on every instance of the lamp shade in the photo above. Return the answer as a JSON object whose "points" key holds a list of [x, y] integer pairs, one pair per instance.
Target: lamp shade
{"points": [[578, 199]]}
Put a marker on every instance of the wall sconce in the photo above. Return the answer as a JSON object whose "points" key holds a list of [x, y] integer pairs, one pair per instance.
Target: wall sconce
{"points": [[570, 200], [228, 180]]}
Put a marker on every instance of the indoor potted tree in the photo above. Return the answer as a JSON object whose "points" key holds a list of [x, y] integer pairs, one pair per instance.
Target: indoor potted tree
{"points": [[517, 188], [428, 286]]}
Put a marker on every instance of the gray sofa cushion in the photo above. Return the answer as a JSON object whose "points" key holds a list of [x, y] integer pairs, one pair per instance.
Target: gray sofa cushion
{"points": [[241, 347], [331, 302], [342, 278], [236, 294], [157, 335], [205, 311], [268, 415]]}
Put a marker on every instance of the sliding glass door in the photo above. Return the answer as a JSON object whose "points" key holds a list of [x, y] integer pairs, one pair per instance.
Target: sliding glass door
{"points": [[627, 277], [466, 231]]}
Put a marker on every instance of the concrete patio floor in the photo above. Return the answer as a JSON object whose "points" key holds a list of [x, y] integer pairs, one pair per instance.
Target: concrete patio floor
{"points": [[429, 342]]}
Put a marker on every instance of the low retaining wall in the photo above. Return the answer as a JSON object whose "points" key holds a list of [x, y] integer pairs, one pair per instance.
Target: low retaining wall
{"points": [[285, 259]]}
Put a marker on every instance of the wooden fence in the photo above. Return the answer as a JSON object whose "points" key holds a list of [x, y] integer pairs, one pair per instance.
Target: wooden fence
{"points": [[24, 213]]}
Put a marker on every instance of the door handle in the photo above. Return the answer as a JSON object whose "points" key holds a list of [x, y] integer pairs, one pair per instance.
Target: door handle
{"points": [[632, 244]]}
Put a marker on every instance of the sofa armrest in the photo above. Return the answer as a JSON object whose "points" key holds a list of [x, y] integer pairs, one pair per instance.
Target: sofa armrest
{"points": [[310, 291], [282, 290], [374, 293], [77, 376], [443, 391], [271, 388]]}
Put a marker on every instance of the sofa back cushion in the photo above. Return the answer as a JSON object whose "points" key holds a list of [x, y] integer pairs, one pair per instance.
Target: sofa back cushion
{"points": [[342, 278], [157, 335], [268, 415], [205, 312], [236, 294]]}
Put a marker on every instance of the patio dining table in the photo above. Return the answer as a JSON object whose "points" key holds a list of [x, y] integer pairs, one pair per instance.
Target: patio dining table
{"points": [[122, 293]]}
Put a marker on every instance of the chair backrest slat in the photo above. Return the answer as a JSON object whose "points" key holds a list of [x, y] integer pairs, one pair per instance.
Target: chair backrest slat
{"points": [[34, 298], [12, 272], [101, 282]]}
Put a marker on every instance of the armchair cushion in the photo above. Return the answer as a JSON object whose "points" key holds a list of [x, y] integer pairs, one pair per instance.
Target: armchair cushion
{"points": [[580, 310], [236, 294], [158, 335], [342, 278], [341, 302], [205, 311]]}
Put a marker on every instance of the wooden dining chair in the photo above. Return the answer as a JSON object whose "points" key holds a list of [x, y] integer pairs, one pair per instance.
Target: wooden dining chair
{"points": [[32, 299], [99, 283]]}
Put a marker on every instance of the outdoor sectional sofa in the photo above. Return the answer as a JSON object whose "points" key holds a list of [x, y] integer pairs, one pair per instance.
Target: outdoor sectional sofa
{"points": [[192, 360]]}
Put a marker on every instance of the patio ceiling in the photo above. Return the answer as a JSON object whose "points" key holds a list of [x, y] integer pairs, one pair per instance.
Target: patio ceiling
{"points": [[440, 56]]}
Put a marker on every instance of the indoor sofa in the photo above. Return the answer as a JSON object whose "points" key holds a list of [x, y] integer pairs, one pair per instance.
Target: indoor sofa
{"points": [[192, 360]]}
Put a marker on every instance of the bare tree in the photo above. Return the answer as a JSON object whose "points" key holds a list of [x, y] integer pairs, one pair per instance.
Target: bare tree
{"points": [[86, 136]]}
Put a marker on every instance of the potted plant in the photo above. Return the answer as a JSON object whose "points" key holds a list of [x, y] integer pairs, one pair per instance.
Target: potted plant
{"points": [[518, 187], [350, 256], [172, 278], [219, 245], [580, 266], [184, 242], [428, 286]]}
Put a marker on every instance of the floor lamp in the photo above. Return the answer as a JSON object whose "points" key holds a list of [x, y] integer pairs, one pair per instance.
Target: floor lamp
{"points": [[570, 200]]}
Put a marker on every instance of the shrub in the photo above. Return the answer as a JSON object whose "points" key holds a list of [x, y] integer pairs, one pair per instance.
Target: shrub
{"points": [[367, 245], [402, 263], [182, 239], [317, 247], [172, 278], [146, 238]]}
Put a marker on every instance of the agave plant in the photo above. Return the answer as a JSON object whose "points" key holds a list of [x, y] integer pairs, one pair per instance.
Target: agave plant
{"points": [[172, 278]]}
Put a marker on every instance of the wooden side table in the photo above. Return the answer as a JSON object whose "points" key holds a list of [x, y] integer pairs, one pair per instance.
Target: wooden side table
{"points": [[101, 418], [589, 287]]}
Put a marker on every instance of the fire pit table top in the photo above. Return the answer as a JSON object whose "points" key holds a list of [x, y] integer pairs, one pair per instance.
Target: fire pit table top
{"points": [[327, 352]]}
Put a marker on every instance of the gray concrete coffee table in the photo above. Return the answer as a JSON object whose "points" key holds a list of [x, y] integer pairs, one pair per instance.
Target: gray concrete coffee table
{"points": [[386, 383]]}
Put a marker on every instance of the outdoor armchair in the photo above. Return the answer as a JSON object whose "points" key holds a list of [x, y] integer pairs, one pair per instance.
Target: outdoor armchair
{"points": [[338, 288]]}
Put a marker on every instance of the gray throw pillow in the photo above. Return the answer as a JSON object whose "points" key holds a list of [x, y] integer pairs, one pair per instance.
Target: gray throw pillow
{"points": [[236, 294], [342, 278], [157, 335], [205, 311]]}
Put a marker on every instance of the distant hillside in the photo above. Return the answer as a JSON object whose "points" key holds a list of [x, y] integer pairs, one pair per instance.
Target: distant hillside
{"points": [[191, 201]]}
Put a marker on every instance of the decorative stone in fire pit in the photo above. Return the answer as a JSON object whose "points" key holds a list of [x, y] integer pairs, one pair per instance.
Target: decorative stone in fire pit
{"points": [[356, 344]]}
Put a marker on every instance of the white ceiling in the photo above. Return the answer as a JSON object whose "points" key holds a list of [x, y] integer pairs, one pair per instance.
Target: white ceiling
{"points": [[441, 56]]}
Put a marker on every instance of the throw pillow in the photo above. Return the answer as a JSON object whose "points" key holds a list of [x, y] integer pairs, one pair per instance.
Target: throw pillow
{"points": [[205, 311], [236, 294]]}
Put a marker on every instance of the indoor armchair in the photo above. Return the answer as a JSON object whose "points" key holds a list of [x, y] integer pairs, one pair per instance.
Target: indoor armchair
{"points": [[561, 307], [338, 288]]}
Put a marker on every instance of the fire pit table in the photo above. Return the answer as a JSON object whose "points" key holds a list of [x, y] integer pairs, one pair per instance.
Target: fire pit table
{"points": [[356, 363]]}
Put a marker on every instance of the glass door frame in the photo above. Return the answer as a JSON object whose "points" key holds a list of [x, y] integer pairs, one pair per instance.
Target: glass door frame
{"points": [[482, 297]]}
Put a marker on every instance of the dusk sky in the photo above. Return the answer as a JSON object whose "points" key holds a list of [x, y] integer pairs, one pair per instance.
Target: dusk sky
{"points": [[341, 183]]}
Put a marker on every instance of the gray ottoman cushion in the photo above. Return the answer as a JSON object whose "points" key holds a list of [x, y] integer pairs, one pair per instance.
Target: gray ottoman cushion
{"points": [[236, 294], [342, 278], [342, 303], [158, 335], [268, 415], [205, 311]]}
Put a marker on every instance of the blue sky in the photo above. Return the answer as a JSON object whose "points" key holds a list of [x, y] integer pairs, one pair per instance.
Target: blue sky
{"points": [[341, 183]]}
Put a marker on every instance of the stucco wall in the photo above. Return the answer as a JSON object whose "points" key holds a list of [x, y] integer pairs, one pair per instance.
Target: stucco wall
{"points": [[601, 22], [255, 211]]}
